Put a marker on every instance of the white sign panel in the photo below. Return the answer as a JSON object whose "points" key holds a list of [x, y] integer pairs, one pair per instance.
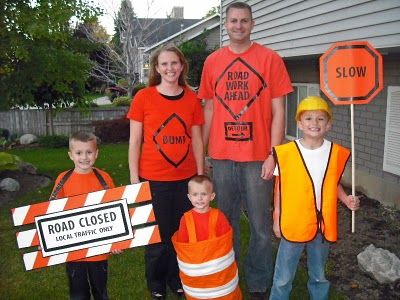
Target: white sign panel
{"points": [[84, 227]]}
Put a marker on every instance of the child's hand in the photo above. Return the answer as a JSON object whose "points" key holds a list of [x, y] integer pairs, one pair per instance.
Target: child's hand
{"points": [[352, 202], [277, 229], [117, 251]]}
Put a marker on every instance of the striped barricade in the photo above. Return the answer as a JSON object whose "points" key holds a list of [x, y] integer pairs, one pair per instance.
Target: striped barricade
{"points": [[61, 225]]}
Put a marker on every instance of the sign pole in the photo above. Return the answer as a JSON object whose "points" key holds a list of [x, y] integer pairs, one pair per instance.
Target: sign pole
{"points": [[353, 166], [351, 72]]}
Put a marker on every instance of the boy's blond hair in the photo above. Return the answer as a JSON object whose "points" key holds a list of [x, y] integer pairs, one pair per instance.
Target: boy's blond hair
{"points": [[202, 179], [82, 136]]}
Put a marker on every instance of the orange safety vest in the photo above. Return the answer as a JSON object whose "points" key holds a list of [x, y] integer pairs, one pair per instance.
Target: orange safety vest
{"points": [[299, 219], [208, 268]]}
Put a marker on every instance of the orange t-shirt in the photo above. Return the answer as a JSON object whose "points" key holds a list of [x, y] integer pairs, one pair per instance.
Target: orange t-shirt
{"points": [[242, 87], [201, 224], [166, 153], [78, 184]]}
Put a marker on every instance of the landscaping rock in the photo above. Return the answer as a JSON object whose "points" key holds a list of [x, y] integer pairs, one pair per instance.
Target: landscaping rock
{"points": [[28, 139], [26, 167], [9, 185], [383, 265]]}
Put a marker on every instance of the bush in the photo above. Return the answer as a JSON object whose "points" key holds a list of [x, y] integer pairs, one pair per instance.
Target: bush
{"points": [[112, 131], [137, 88], [122, 101], [5, 133], [54, 141]]}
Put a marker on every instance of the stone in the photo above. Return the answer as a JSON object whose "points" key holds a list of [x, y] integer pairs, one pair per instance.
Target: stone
{"points": [[27, 139], [9, 184], [383, 265], [26, 167]]}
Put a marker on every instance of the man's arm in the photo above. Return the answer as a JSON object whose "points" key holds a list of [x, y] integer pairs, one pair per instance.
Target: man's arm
{"points": [[277, 134], [198, 148], [208, 114]]}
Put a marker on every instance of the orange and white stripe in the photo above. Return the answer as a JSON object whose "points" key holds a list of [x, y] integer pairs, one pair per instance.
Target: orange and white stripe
{"points": [[207, 268], [142, 236], [133, 193], [139, 215]]}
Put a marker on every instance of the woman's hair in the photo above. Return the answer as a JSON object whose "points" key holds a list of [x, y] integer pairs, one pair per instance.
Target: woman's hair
{"points": [[155, 77]]}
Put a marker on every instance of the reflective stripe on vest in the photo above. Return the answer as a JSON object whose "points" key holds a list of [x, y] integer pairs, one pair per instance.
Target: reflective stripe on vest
{"points": [[208, 267], [209, 293], [299, 219]]}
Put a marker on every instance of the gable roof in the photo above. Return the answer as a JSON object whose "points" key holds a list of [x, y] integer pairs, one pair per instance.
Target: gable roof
{"points": [[190, 32], [149, 31]]}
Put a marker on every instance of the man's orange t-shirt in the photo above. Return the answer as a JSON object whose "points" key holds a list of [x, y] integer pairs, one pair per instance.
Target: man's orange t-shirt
{"points": [[202, 229], [78, 184], [242, 87], [166, 153]]}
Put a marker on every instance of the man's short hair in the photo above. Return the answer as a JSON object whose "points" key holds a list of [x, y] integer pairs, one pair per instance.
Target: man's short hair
{"points": [[82, 136], [239, 5]]}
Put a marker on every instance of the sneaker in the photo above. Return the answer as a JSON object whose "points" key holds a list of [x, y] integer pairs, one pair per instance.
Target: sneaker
{"points": [[180, 293], [258, 295], [157, 296]]}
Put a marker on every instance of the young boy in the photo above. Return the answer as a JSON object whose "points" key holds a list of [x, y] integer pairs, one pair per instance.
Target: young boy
{"points": [[204, 248], [305, 199], [86, 275]]}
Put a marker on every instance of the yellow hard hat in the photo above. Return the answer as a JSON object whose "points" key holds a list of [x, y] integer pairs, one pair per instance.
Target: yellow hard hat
{"points": [[313, 103]]}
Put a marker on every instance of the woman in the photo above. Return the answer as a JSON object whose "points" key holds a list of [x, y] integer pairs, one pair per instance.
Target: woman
{"points": [[166, 149]]}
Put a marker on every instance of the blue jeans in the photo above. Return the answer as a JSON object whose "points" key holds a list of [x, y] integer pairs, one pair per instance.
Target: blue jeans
{"points": [[286, 264], [237, 184]]}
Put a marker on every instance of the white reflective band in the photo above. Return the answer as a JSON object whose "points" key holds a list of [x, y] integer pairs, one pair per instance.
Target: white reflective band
{"points": [[208, 293], [209, 267]]}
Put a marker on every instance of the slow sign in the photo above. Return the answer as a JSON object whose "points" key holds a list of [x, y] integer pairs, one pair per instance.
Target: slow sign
{"points": [[351, 73]]}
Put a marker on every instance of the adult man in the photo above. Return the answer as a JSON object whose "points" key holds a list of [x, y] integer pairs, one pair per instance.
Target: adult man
{"points": [[244, 85]]}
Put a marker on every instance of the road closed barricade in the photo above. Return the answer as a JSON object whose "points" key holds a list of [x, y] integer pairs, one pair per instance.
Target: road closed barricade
{"points": [[81, 226]]}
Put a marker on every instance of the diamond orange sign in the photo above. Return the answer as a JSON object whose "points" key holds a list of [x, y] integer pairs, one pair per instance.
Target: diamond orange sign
{"points": [[351, 73]]}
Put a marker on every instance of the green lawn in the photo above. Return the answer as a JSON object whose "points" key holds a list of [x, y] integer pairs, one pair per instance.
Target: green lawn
{"points": [[126, 271]]}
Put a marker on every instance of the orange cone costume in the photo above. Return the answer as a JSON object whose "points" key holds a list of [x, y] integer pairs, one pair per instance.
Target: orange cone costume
{"points": [[208, 268]]}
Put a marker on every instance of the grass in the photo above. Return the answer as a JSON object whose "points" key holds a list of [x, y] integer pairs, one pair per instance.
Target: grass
{"points": [[126, 271]]}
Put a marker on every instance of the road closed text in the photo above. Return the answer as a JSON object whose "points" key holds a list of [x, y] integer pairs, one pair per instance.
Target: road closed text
{"points": [[84, 227]]}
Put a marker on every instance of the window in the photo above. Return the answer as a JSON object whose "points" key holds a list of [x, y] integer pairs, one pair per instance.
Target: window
{"points": [[391, 155], [301, 91]]}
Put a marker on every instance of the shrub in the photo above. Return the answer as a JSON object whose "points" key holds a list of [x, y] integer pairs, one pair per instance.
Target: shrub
{"points": [[122, 101], [9, 161], [54, 141], [112, 131], [4, 133], [137, 88]]}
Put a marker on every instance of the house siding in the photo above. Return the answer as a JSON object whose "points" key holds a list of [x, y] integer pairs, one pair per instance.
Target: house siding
{"points": [[297, 28], [301, 31]]}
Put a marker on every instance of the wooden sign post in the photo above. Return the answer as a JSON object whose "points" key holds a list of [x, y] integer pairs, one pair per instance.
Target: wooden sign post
{"points": [[351, 73]]}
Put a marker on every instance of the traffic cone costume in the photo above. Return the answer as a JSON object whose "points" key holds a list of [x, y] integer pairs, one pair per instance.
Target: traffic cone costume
{"points": [[208, 268]]}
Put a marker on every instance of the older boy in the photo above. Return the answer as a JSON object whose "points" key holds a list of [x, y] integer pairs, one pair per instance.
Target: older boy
{"points": [[87, 275], [306, 193]]}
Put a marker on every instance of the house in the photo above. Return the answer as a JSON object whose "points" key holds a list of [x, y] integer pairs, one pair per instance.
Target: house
{"points": [[301, 31], [209, 27]]}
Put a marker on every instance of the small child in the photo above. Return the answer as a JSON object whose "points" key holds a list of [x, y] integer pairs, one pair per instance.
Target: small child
{"points": [[88, 275], [305, 199], [204, 248]]}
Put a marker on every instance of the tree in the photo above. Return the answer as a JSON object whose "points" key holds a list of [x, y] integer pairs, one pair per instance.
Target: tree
{"points": [[42, 62], [196, 53]]}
